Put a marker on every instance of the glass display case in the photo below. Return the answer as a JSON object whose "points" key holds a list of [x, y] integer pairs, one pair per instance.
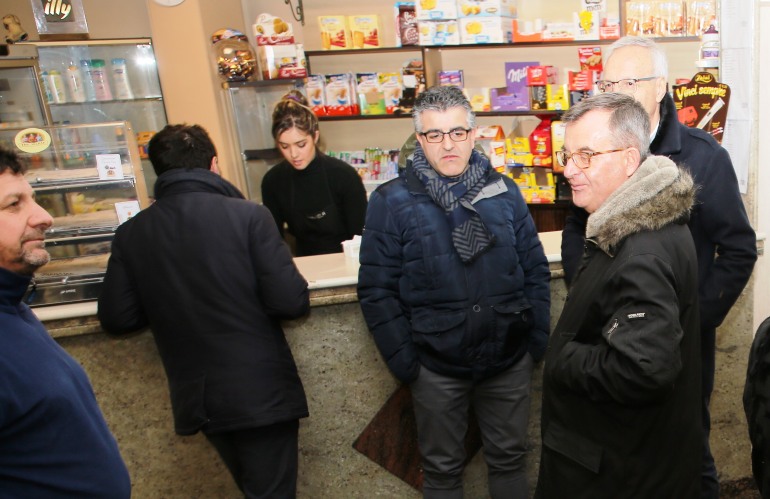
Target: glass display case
{"points": [[251, 106], [96, 81], [22, 102], [89, 178]]}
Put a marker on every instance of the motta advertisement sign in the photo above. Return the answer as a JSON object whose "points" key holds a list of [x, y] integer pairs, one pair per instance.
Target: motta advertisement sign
{"points": [[57, 11]]}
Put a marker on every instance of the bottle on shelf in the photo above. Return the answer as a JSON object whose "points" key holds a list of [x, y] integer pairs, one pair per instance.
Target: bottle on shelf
{"points": [[102, 88], [56, 85], [75, 83], [120, 79], [46, 86], [88, 80]]}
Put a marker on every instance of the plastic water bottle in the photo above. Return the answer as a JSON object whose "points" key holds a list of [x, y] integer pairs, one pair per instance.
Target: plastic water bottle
{"points": [[88, 82], [75, 84], [46, 87], [120, 79], [56, 85], [99, 77]]}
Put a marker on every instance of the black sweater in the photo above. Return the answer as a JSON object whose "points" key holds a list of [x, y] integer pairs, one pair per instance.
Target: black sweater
{"points": [[322, 205]]}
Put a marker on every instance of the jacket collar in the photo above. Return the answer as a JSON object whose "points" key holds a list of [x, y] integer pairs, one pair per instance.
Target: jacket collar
{"points": [[12, 287], [667, 141], [658, 194], [185, 180]]}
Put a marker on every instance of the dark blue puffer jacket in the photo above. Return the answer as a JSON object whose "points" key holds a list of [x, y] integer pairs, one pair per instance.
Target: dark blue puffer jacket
{"points": [[424, 306]]}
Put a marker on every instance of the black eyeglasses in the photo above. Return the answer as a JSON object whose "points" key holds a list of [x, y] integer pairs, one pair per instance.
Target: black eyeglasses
{"points": [[626, 85], [456, 134], [582, 159]]}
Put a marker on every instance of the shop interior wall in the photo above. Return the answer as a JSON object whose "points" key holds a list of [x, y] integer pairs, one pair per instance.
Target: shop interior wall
{"points": [[482, 67], [106, 18]]}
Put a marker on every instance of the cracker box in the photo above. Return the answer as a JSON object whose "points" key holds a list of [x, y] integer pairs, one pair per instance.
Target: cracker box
{"points": [[406, 24], [590, 59], [314, 87], [371, 99], [452, 77], [340, 95], [487, 8], [282, 61], [392, 89], [502, 99], [435, 9], [479, 30], [479, 99], [580, 80], [365, 31], [438, 33], [557, 97], [335, 34], [271, 30]]}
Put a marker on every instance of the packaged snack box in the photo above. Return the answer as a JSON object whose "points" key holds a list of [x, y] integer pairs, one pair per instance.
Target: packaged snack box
{"points": [[557, 142], [590, 59], [282, 61], [453, 77], [315, 88], [479, 99], [435, 9], [438, 33], [335, 34], [371, 99], [340, 95], [478, 30], [393, 90], [271, 30], [487, 8], [557, 97], [364, 31], [502, 99], [406, 24], [516, 76], [540, 76]]}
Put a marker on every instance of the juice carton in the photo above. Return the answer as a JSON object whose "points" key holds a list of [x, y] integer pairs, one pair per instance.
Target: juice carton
{"points": [[365, 31], [335, 34]]}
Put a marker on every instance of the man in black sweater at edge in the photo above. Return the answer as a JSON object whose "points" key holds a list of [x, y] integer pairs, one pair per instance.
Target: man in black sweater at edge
{"points": [[724, 240]]}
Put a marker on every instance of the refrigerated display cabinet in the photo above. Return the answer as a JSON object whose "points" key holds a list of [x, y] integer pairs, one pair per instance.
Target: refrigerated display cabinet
{"points": [[22, 100], [89, 178]]}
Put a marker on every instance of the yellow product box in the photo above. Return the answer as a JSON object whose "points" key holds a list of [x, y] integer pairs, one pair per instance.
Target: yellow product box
{"points": [[480, 30], [335, 34], [437, 33], [543, 194], [392, 89], [365, 31], [371, 99], [479, 99], [487, 8], [557, 97], [557, 142], [435, 9]]}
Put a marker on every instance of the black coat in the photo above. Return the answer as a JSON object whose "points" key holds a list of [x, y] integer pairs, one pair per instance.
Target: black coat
{"points": [[621, 382], [211, 276], [718, 223]]}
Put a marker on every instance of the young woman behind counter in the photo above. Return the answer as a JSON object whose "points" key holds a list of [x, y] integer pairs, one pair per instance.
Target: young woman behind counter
{"points": [[321, 199]]}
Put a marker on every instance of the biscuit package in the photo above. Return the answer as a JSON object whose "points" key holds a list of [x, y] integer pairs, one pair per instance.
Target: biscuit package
{"points": [[335, 34], [364, 31], [315, 88], [406, 24], [392, 89], [271, 30], [438, 33], [477, 30], [371, 98], [282, 61], [341, 95], [435, 9], [487, 8]]}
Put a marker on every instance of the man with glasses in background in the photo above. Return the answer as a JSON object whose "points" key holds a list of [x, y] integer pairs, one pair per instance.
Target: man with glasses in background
{"points": [[621, 382], [454, 286], [724, 240]]}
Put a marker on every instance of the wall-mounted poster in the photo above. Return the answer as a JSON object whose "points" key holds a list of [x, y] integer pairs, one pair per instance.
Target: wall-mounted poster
{"points": [[60, 19]]}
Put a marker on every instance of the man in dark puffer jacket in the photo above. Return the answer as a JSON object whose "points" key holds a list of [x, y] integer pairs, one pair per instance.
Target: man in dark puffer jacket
{"points": [[454, 286]]}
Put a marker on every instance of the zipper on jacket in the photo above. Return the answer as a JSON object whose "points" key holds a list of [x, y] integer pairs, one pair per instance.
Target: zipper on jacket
{"points": [[612, 330]]}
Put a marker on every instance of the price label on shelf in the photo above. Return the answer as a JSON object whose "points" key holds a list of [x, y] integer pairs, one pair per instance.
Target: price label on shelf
{"points": [[109, 167]]}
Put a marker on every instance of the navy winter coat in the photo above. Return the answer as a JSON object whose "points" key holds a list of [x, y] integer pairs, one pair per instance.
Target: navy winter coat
{"points": [[424, 306]]}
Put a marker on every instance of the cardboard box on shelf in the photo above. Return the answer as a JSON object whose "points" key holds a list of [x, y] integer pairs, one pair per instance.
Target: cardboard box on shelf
{"points": [[371, 99], [501, 99], [392, 89], [479, 99], [540, 76], [590, 59], [315, 88], [406, 24], [487, 8], [559, 31], [480, 30], [340, 95], [282, 61], [365, 31], [272, 30], [557, 97], [438, 33], [527, 31], [557, 142], [335, 34], [435, 9], [451, 77]]}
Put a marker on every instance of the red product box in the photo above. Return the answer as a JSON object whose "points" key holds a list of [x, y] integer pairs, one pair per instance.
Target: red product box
{"points": [[540, 76], [580, 80], [590, 58]]}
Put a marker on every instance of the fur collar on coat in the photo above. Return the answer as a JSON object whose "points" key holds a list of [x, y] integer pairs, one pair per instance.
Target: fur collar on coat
{"points": [[657, 194]]}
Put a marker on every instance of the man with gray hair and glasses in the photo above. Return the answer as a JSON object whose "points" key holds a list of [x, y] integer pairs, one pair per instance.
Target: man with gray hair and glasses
{"points": [[621, 381], [454, 286], [724, 240]]}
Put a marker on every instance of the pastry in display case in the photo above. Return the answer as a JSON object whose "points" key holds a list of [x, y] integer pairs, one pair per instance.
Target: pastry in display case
{"points": [[89, 178]]}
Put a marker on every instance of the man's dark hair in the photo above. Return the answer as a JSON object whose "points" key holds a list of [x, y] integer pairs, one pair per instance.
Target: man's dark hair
{"points": [[9, 160], [181, 146]]}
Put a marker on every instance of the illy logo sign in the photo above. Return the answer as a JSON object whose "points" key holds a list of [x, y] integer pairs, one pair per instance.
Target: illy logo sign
{"points": [[57, 10]]}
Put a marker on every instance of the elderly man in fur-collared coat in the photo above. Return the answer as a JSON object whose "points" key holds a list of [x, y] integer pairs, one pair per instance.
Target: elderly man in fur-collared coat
{"points": [[621, 386]]}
